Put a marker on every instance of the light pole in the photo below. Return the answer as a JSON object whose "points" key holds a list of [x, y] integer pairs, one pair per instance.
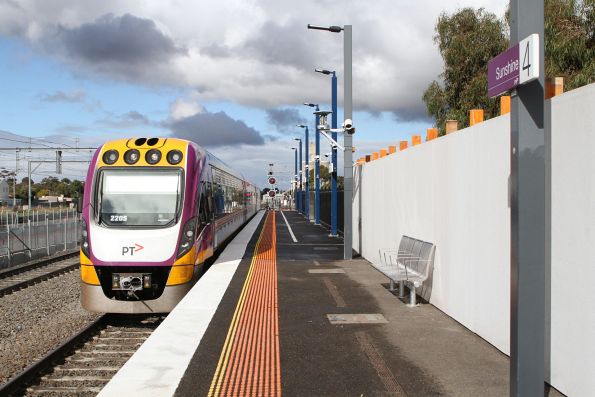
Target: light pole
{"points": [[348, 140], [295, 196], [334, 149], [301, 198], [316, 166], [306, 169]]}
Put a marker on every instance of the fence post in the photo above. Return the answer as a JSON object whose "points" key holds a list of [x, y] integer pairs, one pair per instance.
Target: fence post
{"points": [[8, 242], [29, 233], [47, 237], [65, 224]]}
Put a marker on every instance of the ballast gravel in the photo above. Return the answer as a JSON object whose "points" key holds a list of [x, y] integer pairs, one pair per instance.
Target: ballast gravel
{"points": [[37, 319]]}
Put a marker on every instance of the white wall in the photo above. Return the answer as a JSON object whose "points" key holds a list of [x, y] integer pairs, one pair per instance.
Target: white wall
{"points": [[453, 191], [573, 242]]}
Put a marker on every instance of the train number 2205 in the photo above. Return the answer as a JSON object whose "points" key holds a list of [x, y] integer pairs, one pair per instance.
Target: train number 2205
{"points": [[118, 218]]}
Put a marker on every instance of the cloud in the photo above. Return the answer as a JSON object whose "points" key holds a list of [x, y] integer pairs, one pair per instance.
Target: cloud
{"points": [[125, 39], [256, 54], [184, 108], [283, 119], [214, 129], [129, 119], [67, 97]]}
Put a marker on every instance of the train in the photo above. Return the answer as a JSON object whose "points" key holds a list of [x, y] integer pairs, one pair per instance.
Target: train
{"points": [[153, 211]]}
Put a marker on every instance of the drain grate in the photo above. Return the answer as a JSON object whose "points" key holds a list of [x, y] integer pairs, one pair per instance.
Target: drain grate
{"points": [[362, 318], [315, 271]]}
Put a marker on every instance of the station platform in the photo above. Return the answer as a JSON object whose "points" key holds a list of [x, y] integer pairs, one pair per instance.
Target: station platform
{"points": [[281, 313]]}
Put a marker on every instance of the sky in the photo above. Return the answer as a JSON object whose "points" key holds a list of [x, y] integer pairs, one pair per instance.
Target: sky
{"points": [[230, 75]]}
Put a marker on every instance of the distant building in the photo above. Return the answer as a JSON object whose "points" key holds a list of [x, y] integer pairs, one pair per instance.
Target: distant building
{"points": [[4, 191], [50, 200]]}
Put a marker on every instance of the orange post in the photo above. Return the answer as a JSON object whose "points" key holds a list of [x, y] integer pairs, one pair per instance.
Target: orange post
{"points": [[475, 116], [451, 126], [504, 104], [382, 152], [375, 155], [432, 133], [415, 140], [403, 145], [368, 159], [554, 86], [392, 149]]}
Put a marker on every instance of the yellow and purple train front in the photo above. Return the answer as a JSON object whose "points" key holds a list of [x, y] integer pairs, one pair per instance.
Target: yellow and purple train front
{"points": [[144, 237]]}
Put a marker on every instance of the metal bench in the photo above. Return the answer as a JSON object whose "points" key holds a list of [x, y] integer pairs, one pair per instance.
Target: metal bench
{"points": [[410, 263]]}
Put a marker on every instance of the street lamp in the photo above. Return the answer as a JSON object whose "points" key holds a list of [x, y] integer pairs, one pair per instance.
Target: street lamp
{"points": [[348, 140], [334, 149], [316, 166], [295, 196], [306, 202], [300, 197]]}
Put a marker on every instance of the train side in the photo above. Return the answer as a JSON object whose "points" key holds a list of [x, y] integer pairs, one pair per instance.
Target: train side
{"points": [[154, 210]]}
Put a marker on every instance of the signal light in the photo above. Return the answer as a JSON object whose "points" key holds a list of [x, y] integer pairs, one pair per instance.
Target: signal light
{"points": [[174, 157], [153, 156], [110, 157], [131, 156]]}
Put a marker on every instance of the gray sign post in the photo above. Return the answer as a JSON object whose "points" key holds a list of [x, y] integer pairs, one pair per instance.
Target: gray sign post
{"points": [[528, 214], [348, 143]]}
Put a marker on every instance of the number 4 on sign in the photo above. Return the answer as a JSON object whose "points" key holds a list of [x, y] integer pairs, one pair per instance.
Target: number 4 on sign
{"points": [[529, 53]]}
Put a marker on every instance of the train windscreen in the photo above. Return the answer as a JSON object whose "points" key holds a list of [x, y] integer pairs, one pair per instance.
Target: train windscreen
{"points": [[139, 198]]}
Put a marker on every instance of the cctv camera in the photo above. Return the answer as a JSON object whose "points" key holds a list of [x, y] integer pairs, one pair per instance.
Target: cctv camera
{"points": [[317, 157], [348, 124]]}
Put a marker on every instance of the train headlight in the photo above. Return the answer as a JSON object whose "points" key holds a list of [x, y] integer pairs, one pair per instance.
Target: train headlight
{"points": [[110, 157], [153, 156], [187, 240], [131, 156], [174, 157], [85, 238]]}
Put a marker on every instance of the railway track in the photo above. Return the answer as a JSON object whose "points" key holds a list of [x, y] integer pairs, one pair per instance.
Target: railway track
{"points": [[19, 277], [87, 361]]}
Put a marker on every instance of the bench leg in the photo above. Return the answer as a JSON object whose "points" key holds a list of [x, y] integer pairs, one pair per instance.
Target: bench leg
{"points": [[401, 289], [412, 296], [392, 286]]}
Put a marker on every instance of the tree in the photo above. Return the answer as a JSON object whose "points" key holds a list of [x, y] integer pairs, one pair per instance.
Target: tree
{"points": [[325, 177], [570, 41], [467, 40]]}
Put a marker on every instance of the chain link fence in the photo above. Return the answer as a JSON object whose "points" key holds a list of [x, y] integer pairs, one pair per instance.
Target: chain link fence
{"points": [[31, 235]]}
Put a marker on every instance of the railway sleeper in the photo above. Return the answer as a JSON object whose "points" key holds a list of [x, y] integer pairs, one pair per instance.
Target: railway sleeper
{"points": [[114, 348], [75, 381], [93, 360], [72, 370], [96, 370], [64, 390], [119, 353]]}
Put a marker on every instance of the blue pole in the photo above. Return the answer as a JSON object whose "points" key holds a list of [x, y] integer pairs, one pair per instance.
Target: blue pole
{"points": [[307, 207], [334, 157], [317, 173], [295, 191], [301, 197]]}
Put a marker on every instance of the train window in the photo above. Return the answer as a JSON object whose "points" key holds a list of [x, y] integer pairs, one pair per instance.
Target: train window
{"points": [[140, 198], [228, 193]]}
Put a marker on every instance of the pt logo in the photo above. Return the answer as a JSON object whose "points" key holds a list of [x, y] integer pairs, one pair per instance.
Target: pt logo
{"points": [[131, 250]]}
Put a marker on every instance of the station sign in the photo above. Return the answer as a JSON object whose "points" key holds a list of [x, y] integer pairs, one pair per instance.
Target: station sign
{"points": [[272, 180], [515, 66]]}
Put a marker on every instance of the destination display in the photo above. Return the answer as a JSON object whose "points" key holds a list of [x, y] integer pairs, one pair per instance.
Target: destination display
{"points": [[515, 66]]}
